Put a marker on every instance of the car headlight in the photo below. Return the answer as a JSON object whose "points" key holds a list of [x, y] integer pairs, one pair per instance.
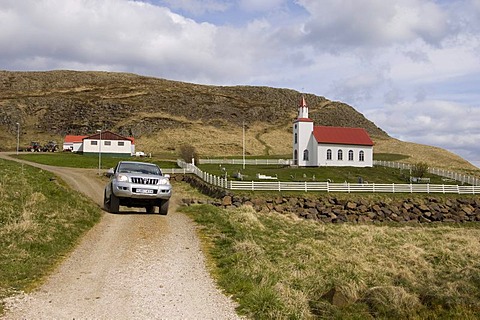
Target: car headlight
{"points": [[163, 181], [122, 177]]}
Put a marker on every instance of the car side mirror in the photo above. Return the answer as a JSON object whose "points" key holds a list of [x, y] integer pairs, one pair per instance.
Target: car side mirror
{"points": [[110, 172]]}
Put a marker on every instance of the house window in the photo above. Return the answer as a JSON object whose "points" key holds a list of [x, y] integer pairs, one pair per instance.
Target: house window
{"points": [[296, 138], [121, 143], [340, 155], [350, 155], [361, 156], [107, 143], [329, 154], [93, 143], [305, 155]]}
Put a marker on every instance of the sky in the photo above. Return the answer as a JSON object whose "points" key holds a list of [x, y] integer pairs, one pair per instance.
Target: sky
{"points": [[410, 66]]}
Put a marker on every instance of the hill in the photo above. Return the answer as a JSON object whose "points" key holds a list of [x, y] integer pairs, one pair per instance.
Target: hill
{"points": [[163, 114]]}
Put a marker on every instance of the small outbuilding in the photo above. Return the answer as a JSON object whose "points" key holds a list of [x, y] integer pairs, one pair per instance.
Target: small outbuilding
{"points": [[105, 142]]}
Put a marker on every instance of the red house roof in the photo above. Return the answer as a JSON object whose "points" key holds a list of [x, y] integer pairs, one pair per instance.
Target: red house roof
{"points": [[72, 139], [340, 135], [108, 135]]}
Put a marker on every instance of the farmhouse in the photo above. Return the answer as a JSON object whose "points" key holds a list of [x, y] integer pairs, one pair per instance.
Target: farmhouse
{"points": [[315, 146], [105, 142]]}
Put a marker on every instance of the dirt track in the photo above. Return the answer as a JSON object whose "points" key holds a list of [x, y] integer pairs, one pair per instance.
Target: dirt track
{"points": [[129, 266]]}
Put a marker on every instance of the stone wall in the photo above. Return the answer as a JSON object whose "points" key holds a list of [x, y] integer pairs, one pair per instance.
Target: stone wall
{"points": [[330, 209]]}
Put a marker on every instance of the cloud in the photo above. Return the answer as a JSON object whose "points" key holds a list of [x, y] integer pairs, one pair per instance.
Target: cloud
{"points": [[338, 24], [451, 125], [198, 7]]}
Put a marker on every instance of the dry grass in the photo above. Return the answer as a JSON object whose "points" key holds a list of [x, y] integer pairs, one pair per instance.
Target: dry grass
{"points": [[434, 156], [283, 268]]}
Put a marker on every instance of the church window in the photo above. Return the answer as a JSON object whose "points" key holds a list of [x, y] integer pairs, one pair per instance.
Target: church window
{"points": [[296, 138], [329, 154], [305, 155], [340, 155], [350, 155], [361, 156]]}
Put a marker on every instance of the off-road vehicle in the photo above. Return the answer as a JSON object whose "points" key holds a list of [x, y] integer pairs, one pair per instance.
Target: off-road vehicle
{"points": [[137, 184]]}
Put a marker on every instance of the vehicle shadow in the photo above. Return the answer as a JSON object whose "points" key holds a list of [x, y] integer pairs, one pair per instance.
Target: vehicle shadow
{"points": [[131, 212]]}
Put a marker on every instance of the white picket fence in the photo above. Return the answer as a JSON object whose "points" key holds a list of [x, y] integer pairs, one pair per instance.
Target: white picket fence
{"points": [[323, 186], [448, 175]]}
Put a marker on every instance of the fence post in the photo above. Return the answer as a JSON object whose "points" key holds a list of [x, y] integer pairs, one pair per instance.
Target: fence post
{"points": [[253, 186]]}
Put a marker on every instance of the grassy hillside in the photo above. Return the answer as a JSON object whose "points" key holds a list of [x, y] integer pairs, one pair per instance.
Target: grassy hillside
{"points": [[163, 114]]}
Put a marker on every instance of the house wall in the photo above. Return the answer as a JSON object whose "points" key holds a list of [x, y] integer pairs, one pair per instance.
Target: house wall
{"points": [[322, 155], [67, 146], [108, 147], [77, 147]]}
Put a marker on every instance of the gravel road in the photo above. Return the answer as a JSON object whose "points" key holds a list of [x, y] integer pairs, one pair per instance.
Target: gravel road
{"points": [[129, 266]]}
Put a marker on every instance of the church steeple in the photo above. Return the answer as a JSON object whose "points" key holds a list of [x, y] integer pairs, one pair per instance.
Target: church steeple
{"points": [[303, 109]]}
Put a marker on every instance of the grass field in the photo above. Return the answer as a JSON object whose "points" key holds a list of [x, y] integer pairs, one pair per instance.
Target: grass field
{"points": [[73, 160], [376, 174], [279, 267], [40, 221]]}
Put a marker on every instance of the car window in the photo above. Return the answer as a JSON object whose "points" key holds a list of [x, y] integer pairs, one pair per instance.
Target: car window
{"points": [[139, 168]]}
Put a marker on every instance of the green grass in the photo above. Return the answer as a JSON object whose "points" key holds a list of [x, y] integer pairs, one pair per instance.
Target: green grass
{"points": [[389, 157], [278, 267], [40, 221], [376, 174], [73, 160]]}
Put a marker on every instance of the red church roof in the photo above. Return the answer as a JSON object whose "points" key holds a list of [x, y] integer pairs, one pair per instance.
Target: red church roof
{"points": [[340, 135]]}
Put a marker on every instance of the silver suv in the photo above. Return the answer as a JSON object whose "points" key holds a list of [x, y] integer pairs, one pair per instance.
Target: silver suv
{"points": [[137, 184]]}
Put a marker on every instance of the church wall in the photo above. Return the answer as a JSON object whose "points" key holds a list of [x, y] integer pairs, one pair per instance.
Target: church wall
{"points": [[322, 155]]}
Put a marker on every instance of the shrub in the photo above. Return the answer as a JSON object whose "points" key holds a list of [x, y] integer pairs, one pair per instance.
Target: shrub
{"points": [[188, 152], [419, 169]]}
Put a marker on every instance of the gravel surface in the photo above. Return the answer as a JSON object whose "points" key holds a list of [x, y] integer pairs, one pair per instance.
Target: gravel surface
{"points": [[129, 266]]}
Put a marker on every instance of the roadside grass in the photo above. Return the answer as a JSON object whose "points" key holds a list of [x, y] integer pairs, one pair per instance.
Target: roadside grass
{"points": [[73, 160], [40, 221], [281, 267], [376, 174]]}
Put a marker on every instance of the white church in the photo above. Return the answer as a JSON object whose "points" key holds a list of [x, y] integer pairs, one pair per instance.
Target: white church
{"points": [[315, 146]]}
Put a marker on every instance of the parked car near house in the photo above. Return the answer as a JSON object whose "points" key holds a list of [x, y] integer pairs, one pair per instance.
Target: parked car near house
{"points": [[137, 184]]}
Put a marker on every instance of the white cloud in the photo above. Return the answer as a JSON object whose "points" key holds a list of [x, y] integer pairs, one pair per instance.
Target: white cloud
{"points": [[198, 7], [339, 24]]}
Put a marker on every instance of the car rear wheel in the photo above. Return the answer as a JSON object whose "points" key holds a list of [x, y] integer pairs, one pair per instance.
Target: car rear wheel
{"points": [[164, 207], [150, 209], [114, 204]]}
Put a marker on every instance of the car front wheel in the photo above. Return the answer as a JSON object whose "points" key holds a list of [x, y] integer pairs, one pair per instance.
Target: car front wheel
{"points": [[150, 209], [114, 203], [164, 207]]}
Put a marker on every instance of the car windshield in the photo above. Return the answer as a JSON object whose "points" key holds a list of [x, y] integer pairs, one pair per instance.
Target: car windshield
{"points": [[139, 168]]}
